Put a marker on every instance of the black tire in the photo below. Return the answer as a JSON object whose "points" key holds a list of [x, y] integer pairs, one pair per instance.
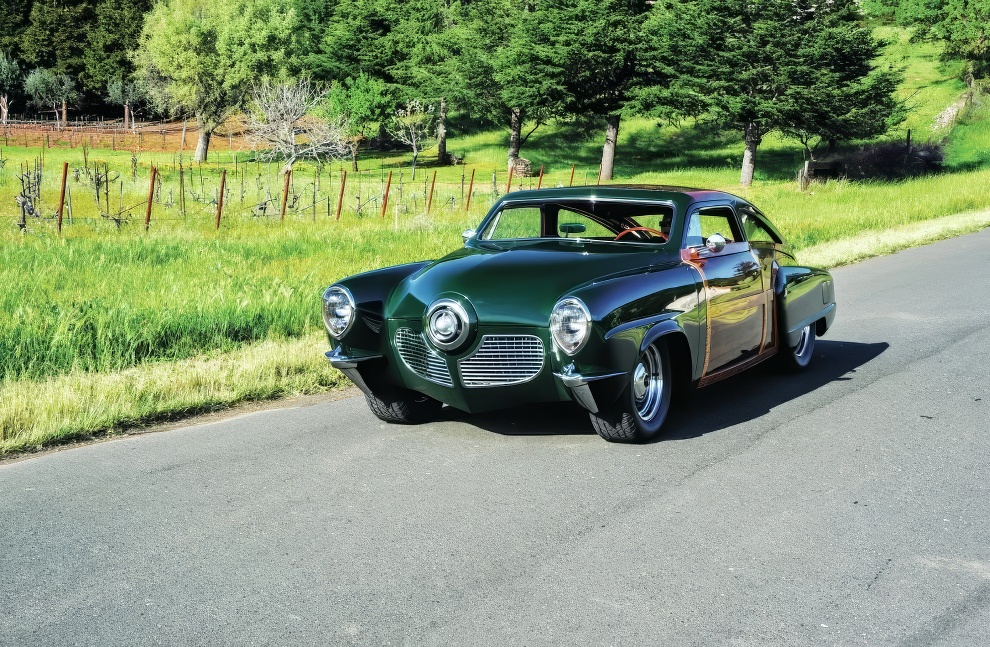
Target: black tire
{"points": [[402, 406], [797, 358], [640, 411]]}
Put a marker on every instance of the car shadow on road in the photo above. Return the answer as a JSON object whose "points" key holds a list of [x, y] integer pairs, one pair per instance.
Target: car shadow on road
{"points": [[738, 399]]}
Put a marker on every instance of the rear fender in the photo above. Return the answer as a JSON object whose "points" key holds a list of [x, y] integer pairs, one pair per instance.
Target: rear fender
{"points": [[805, 296]]}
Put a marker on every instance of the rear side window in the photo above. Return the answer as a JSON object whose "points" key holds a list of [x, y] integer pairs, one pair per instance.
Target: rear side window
{"points": [[756, 230]]}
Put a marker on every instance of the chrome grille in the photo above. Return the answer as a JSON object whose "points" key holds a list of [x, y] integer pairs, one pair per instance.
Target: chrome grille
{"points": [[502, 360], [420, 359]]}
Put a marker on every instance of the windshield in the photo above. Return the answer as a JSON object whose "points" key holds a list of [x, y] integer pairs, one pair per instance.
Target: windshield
{"points": [[586, 220]]}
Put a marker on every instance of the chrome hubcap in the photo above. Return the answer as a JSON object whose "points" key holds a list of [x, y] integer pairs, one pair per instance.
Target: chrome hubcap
{"points": [[647, 383], [802, 345], [641, 381]]}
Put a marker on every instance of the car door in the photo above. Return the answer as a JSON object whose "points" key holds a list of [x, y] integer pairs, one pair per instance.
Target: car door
{"points": [[734, 287]]}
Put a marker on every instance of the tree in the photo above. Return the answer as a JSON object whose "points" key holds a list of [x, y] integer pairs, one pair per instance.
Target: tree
{"points": [[759, 67], [10, 76], [56, 35], [200, 56], [359, 103], [962, 25], [283, 121], [513, 67], [596, 51], [111, 38], [126, 94], [13, 22], [431, 38], [356, 41], [49, 88], [416, 127]]}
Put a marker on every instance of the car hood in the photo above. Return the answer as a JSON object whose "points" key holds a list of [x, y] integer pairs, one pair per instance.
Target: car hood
{"points": [[518, 283]]}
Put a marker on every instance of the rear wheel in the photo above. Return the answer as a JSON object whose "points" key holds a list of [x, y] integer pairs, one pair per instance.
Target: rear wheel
{"points": [[640, 411], [799, 356], [402, 405]]}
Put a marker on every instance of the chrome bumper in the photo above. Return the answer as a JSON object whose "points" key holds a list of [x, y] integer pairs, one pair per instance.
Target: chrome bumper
{"points": [[348, 366], [578, 385]]}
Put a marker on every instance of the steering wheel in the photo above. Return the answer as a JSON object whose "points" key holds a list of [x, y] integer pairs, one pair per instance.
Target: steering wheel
{"points": [[622, 233]]}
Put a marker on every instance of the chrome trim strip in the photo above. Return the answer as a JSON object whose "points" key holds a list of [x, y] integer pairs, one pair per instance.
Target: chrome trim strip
{"points": [[348, 366], [572, 380]]}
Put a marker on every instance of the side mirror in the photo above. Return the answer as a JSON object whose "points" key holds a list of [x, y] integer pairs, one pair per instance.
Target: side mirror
{"points": [[467, 235], [568, 228], [716, 243]]}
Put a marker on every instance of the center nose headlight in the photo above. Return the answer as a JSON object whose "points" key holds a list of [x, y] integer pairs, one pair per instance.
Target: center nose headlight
{"points": [[447, 324]]}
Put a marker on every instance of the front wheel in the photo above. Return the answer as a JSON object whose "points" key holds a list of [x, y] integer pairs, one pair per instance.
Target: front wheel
{"points": [[799, 356], [641, 409], [402, 405]]}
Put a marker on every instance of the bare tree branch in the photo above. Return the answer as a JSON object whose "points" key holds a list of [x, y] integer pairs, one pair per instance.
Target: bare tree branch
{"points": [[283, 125]]}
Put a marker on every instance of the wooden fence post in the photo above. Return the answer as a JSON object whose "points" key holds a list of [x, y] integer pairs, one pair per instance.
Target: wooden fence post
{"points": [[151, 197], [340, 198], [571, 183], [61, 195], [285, 193], [539, 183], [429, 198], [467, 205], [223, 185], [182, 190], [508, 185], [388, 185]]}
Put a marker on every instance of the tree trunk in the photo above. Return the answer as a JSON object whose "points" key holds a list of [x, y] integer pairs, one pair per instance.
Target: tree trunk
{"points": [[753, 139], [3, 109], [127, 114], [65, 114], [415, 157], [515, 135], [203, 144], [442, 157], [354, 149], [608, 153]]}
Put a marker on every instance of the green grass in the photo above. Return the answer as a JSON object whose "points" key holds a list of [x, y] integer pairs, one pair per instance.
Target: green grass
{"points": [[968, 145], [930, 85]]}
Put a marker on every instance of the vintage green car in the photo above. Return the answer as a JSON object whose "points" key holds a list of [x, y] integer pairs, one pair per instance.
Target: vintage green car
{"points": [[612, 297]]}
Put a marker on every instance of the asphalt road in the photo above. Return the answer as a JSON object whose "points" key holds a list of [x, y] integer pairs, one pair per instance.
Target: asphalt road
{"points": [[849, 505]]}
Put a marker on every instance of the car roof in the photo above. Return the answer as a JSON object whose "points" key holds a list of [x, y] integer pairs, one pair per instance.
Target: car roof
{"points": [[678, 194]]}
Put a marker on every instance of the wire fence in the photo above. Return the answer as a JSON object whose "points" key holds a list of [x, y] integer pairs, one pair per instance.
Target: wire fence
{"points": [[42, 194]]}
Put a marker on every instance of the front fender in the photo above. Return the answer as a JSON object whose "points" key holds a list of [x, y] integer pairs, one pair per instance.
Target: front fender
{"points": [[370, 291]]}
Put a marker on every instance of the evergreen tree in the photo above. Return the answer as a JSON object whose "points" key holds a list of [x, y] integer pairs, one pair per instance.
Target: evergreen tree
{"points": [[55, 36], [430, 39], [13, 21], [773, 65], [597, 54], [110, 40]]}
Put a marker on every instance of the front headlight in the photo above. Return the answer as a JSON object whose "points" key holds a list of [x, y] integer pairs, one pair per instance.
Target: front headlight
{"points": [[570, 323], [338, 310], [447, 324]]}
